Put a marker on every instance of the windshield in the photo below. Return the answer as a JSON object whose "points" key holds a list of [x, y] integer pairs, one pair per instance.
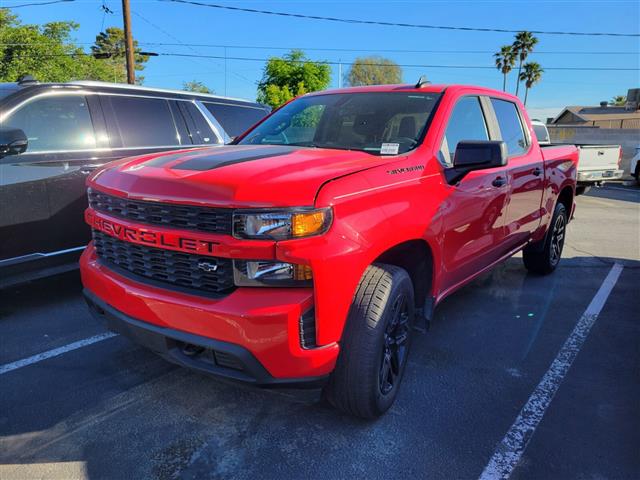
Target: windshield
{"points": [[383, 123]]}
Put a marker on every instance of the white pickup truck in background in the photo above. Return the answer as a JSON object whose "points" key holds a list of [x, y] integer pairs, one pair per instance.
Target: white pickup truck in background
{"points": [[596, 163]]}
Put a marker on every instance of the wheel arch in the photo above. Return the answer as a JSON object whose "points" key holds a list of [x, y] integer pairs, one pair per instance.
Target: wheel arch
{"points": [[416, 257]]}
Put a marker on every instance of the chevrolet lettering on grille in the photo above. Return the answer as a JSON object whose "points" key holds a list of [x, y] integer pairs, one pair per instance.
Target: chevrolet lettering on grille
{"points": [[149, 237]]}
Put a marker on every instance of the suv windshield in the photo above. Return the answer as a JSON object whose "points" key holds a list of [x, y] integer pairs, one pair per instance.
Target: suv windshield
{"points": [[378, 123]]}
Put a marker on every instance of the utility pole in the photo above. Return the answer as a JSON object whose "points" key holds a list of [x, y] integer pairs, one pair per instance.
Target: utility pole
{"points": [[128, 38]]}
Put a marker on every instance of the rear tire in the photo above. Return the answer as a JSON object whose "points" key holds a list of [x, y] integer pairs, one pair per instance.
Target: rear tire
{"points": [[581, 190], [543, 258], [375, 343]]}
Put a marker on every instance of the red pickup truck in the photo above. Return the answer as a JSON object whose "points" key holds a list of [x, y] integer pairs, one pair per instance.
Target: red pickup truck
{"points": [[306, 252]]}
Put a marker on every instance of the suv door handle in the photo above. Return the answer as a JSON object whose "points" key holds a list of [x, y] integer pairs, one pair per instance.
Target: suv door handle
{"points": [[499, 182], [87, 169], [537, 171]]}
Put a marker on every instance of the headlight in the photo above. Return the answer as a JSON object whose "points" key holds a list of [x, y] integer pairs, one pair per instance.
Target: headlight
{"points": [[265, 273], [282, 224]]}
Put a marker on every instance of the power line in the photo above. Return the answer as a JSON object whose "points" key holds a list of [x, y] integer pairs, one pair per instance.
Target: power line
{"points": [[38, 4], [327, 62], [393, 24], [483, 67], [319, 49]]}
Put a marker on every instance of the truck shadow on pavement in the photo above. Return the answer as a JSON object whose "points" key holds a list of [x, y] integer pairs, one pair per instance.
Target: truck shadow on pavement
{"points": [[119, 408]]}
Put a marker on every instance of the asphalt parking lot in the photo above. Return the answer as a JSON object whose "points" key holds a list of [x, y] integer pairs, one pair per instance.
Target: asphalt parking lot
{"points": [[110, 409]]}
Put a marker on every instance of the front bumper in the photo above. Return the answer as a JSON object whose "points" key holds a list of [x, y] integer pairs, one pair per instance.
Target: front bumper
{"points": [[596, 176], [258, 327]]}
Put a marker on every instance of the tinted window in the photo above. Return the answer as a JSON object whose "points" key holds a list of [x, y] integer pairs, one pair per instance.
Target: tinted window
{"points": [[60, 122], [201, 132], [541, 133], [510, 126], [235, 119], [378, 123], [466, 123], [144, 122]]}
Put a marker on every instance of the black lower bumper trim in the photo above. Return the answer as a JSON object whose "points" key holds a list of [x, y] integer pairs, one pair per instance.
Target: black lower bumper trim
{"points": [[208, 355]]}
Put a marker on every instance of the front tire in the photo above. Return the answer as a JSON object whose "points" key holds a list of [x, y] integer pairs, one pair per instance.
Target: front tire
{"points": [[375, 343], [544, 258]]}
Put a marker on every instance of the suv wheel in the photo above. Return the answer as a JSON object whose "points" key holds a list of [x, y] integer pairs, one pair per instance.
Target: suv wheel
{"points": [[375, 343], [544, 258]]}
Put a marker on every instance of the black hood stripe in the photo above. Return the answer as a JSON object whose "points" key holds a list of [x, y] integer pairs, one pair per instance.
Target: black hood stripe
{"points": [[231, 156]]}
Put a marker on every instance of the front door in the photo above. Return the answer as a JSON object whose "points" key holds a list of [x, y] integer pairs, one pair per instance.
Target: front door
{"points": [[42, 190], [474, 211]]}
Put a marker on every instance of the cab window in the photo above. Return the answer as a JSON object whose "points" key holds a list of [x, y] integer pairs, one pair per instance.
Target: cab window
{"points": [[55, 123], [510, 126], [465, 123]]}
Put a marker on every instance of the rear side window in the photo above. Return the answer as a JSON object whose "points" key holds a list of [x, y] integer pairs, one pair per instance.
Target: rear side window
{"points": [[201, 133], [235, 119], [510, 126], [59, 122], [144, 122], [466, 123], [541, 133]]}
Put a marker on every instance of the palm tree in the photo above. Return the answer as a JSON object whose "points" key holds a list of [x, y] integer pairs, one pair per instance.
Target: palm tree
{"points": [[531, 75], [523, 46], [505, 60], [618, 100]]}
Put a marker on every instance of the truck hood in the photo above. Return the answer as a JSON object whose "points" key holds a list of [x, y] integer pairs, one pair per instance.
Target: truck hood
{"points": [[233, 175]]}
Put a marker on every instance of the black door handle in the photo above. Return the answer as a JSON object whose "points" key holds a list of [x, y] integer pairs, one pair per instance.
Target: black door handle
{"points": [[537, 171], [87, 169], [499, 182]]}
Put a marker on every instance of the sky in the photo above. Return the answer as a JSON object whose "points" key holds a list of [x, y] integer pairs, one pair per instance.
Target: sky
{"points": [[258, 36]]}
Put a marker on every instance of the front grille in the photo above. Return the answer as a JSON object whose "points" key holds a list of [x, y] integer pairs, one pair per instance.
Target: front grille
{"points": [[165, 268], [188, 217]]}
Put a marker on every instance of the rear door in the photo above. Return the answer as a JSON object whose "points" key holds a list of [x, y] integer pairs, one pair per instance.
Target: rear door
{"points": [[525, 173], [473, 216]]}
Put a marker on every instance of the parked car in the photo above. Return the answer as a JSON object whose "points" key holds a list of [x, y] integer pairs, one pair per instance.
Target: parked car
{"points": [[307, 251], [597, 163], [635, 165], [72, 129]]}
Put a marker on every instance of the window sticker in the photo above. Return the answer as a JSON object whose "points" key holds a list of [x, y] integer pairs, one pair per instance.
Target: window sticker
{"points": [[389, 148]]}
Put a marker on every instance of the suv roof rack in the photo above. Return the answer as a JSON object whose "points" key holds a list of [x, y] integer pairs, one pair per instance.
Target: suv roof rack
{"points": [[26, 79], [126, 86]]}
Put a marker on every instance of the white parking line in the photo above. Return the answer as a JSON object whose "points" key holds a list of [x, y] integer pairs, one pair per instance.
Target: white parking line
{"points": [[25, 362], [510, 450]]}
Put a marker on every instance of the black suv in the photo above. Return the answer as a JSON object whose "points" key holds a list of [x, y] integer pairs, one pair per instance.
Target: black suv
{"points": [[72, 129]]}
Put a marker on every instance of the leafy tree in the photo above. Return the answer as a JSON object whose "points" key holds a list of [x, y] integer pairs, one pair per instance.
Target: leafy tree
{"points": [[292, 75], [505, 60], [531, 75], [374, 70], [196, 86], [46, 52], [111, 42], [619, 100], [523, 46]]}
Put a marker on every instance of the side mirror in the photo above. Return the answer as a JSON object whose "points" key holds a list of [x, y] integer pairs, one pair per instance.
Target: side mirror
{"points": [[476, 155], [13, 141]]}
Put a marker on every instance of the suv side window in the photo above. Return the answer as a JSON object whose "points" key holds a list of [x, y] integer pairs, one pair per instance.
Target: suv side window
{"points": [[510, 126], [58, 122], [144, 122], [235, 119], [466, 123], [201, 133]]}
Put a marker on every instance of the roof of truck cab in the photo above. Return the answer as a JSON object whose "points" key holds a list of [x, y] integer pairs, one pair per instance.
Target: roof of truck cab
{"points": [[428, 88]]}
